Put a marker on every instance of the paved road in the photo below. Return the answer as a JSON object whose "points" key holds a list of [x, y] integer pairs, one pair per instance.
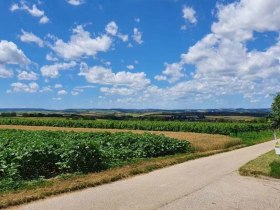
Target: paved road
{"points": [[206, 183]]}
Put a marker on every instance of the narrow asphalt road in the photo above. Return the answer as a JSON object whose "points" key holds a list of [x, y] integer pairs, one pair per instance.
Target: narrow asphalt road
{"points": [[206, 183]]}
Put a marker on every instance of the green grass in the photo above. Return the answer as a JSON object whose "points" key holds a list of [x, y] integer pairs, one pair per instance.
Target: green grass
{"points": [[265, 165], [252, 138]]}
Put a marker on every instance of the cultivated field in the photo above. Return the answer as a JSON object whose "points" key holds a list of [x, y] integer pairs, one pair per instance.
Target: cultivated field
{"points": [[225, 128], [42, 157], [233, 118], [200, 142], [30, 155]]}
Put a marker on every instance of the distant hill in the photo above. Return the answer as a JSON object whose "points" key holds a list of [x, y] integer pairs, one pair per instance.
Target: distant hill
{"points": [[228, 110]]}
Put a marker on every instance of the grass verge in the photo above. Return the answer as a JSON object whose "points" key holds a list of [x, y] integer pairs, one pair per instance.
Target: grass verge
{"points": [[74, 182], [265, 165], [252, 138]]}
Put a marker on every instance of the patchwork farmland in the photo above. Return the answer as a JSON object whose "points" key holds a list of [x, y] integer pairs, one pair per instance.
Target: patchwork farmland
{"points": [[41, 154]]}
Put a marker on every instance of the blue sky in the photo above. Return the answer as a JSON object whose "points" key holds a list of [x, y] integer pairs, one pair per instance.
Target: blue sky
{"points": [[139, 53]]}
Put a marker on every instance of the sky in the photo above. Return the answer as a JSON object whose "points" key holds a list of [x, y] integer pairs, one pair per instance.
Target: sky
{"points": [[165, 54]]}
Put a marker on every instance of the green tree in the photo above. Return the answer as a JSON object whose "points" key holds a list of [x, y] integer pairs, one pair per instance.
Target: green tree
{"points": [[275, 112]]}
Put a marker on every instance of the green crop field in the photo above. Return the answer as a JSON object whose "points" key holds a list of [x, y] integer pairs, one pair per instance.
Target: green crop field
{"points": [[225, 128], [32, 155]]}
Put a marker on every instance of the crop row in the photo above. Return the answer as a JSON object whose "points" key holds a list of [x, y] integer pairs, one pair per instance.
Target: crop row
{"points": [[28, 155], [198, 127]]}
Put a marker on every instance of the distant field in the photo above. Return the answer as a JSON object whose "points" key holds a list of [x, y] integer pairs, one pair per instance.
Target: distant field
{"points": [[233, 118], [200, 142], [225, 128]]}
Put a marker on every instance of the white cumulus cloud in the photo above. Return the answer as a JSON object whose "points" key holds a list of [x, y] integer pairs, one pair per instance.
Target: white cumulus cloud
{"points": [[130, 67], [62, 92], [52, 71], [137, 36], [51, 57], [5, 73], [24, 75], [11, 54], [33, 11], [240, 19], [105, 76], [117, 91], [81, 44], [76, 2], [29, 37], [57, 86], [189, 14], [172, 72], [112, 28], [224, 66], [22, 87]]}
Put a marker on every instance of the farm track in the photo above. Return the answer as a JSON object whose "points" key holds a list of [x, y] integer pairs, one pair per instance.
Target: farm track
{"points": [[201, 142]]}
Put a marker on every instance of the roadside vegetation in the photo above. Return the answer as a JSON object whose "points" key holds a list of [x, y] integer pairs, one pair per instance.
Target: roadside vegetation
{"points": [[254, 137], [265, 165], [269, 163]]}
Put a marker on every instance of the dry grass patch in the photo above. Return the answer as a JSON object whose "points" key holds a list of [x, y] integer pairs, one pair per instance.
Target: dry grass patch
{"points": [[205, 142], [200, 142]]}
